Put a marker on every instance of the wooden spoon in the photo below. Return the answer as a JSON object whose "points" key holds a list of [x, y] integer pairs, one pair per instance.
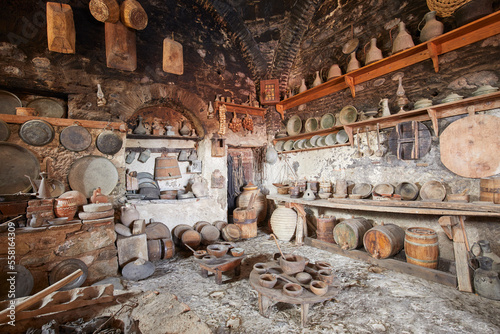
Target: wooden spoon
{"points": [[276, 241]]}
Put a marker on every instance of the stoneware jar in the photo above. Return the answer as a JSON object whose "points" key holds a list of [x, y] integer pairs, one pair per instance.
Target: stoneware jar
{"points": [[403, 40], [260, 203], [432, 27], [65, 207], [128, 214]]}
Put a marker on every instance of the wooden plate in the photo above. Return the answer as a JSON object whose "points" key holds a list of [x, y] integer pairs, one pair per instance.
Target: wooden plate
{"points": [[433, 191], [36, 132], [47, 107], [65, 268], [91, 172], [17, 162]]}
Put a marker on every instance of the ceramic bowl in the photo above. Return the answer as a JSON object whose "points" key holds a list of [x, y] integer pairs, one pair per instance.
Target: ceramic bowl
{"points": [[319, 288], [314, 140], [326, 275], [217, 250], [288, 146], [308, 144], [292, 289], [292, 264], [348, 115], [452, 98], [362, 189], [260, 268], [267, 280], [321, 142], [327, 121], [279, 145], [342, 137], [383, 188], [324, 195], [311, 124], [294, 125], [322, 265], [330, 139], [237, 251], [303, 277], [199, 254]]}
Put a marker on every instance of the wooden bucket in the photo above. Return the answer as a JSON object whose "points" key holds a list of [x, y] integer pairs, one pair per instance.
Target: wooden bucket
{"points": [[105, 10], [177, 232], [159, 249], [349, 233], [231, 232], [488, 187], [199, 225], [209, 234], [133, 15], [191, 238], [325, 225], [421, 247], [157, 230], [167, 168], [246, 220], [384, 241]]}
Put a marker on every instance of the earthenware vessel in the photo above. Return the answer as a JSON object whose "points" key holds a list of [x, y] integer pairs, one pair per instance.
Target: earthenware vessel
{"points": [[128, 214], [317, 81], [373, 53], [403, 40], [486, 281], [140, 129], [65, 207], [303, 86], [432, 27], [353, 63], [334, 72]]}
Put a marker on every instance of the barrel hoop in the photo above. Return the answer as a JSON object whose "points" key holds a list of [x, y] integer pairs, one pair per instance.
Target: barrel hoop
{"points": [[423, 245], [420, 260]]}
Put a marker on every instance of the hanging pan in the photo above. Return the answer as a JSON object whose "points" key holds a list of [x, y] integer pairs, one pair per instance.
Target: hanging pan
{"points": [[75, 138], [352, 44], [36, 132], [108, 142]]}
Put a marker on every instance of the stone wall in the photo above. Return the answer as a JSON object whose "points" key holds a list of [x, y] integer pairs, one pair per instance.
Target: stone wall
{"points": [[41, 249]]}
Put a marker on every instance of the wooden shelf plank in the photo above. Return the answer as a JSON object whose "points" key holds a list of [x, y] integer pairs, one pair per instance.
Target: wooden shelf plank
{"points": [[134, 136], [65, 122], [313, 148], [392, 264], [239, 109], [475, 31]]}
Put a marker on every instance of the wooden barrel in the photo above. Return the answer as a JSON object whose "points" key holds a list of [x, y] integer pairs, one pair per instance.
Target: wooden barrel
{"points": [[488, 187], [159, 249], [133, 15], [105, 10], [383, 241], [199, 225], [177, 232], [231, 232], [325, 225], [349, 233], [157, 230], [246, 220], [167, 168], [191, 238], [421, 247], [209, 234], [168, 248], [220, 224]]}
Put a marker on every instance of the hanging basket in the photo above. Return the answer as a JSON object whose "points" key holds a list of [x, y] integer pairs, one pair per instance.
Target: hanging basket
{"points": [[445, 8]]}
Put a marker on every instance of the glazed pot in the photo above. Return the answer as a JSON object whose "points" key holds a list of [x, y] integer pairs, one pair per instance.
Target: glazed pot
{"points": [[65, 207]]}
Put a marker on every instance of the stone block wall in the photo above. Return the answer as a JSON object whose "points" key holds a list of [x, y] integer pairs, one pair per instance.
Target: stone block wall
{"points": [[41, 249]]}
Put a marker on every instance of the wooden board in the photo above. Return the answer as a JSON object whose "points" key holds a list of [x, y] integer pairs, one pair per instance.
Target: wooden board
{"points": [[172, 57], [120, 47], [61, 33], [470, 146]]}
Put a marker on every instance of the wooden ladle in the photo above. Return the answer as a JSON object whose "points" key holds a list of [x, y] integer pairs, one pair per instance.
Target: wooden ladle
{"points": [[276, 241]]}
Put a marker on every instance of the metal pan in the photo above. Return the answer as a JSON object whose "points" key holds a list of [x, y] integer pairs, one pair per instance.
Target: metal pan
{"points": [[91, 172], [9, 102], [4, 131], [16, 162], [75, 138], [109, 142], [47, 107], [36, 132]]}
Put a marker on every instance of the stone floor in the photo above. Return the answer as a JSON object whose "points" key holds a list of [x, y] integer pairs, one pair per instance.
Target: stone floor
{"points": [[371, 300]]}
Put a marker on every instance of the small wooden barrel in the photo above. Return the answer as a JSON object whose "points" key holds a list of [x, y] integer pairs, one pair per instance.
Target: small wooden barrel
{"points": [[246, 220], [199, 225], [105, 10], [160, 249], [191, 238], [220, 224], [157, 230], [349, 233], [167, 168], [422, 247], [384, 241], [231, 232], [133, 15], [209, 234], [177, 232], [488, 187], [168, 248], [325, 225]]}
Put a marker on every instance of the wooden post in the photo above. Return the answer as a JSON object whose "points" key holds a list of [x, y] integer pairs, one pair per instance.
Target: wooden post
{"points": [[301, 223]]}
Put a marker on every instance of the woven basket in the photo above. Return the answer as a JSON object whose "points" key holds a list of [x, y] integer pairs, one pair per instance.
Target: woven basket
{"points": [[445, 8]]}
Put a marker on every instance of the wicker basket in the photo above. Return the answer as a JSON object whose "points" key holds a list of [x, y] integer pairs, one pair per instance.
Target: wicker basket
{"points": [[445, 8]]}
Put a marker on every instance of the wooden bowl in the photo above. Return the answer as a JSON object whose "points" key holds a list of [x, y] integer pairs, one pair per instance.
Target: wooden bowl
{"points": [[217, 250], [267, 280], [199, 254], [260, 268], [237, 252], [433, 191], [321, 265], [383, 189], [326, 276], [303, 277], [283, 190], [324, 195], [292, 264], [407, 190], [292, 289], [318, 287]]}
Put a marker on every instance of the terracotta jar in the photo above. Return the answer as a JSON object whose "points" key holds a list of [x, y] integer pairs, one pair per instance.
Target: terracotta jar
{"points": [[283, 222], [260, 203], [65, 207]]}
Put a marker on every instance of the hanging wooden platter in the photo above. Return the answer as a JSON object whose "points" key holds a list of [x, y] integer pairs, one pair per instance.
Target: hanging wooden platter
{"points": [[173, 61], [61, 33], [470, 146], [121, 51]]}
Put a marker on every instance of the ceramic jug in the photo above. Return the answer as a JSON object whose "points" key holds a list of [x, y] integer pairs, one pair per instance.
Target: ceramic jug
{"points": [[317, 81], [334, 72], [140, 129], [486, 281], [485, 250], [403, 40], [373, 53], [128, 214], [384, 107], [432, 27], [353, 63], [199, 187], [184, 130], [144, 156], [303, 86]]}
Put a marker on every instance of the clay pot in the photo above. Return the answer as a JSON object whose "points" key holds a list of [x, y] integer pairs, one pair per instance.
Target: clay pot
{"points": [[65, 207], [260, 203], [292, 264], [267, 280], [283, 222], [432, 27], [326, 276], [217, 250], [292, 289], [128, 214], [318, 287], [260, 268]]}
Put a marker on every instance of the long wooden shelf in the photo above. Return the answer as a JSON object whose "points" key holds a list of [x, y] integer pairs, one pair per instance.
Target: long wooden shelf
{"points": [[136, 136], [422, 208], [239, 109], [470, 33], [468, 105], [65, 122]]}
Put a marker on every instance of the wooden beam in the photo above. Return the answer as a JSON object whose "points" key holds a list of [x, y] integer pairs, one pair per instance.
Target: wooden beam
{"points": [[239, 109], [65, 122]]}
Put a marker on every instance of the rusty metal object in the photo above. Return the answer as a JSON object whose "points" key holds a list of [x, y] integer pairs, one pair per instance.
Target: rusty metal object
{"points": [[109, 142], [65, 268], [91, 172], [9, 102], [47, 108]]}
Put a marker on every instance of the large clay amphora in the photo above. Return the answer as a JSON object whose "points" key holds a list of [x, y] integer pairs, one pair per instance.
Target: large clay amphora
{"points": [[432, 27], [260, 203]]}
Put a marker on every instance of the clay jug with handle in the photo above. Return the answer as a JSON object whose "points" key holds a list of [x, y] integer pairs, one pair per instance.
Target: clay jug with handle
{"points": [[128, 214], [432, 27], [403, 40]]}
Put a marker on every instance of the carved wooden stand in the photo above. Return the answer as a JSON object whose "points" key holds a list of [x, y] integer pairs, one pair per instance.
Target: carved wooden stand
{"points": [[220, 265]]}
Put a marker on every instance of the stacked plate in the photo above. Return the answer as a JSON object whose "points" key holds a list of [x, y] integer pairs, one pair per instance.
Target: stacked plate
{"points": [[452, 98], [342, 137], [288, 145], [330, 139], [422, 103], [279, 146], [486, 89]]}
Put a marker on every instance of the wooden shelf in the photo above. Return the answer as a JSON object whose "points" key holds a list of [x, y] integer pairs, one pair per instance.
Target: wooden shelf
{"points": [[313, 148], [468, 105], [470, 33], [239, 109], [135, 136], [65, 122]]}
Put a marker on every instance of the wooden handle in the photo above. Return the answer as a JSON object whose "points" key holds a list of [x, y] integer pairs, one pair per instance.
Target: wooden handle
{"points": [[276, 241], [252, 200]]}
